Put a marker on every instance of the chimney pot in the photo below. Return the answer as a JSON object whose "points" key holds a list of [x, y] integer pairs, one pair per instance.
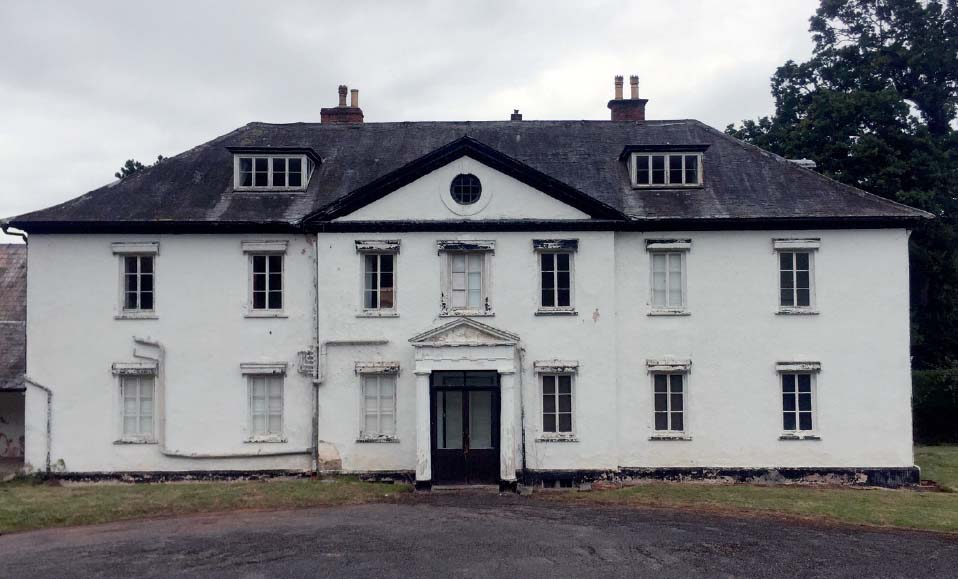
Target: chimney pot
{"points": [[618, 87], [631, 109], [342, 95], [354, 98], [343, 114], [634, 82]]}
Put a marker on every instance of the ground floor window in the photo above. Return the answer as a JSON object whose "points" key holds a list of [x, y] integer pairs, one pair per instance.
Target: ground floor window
{"points": [[379, 406], [557, 404], [797, 408], [669, 403], [137, 408], [266, 404]]}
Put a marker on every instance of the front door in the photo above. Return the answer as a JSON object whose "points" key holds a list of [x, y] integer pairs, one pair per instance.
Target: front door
{"points": [[465, 427]]}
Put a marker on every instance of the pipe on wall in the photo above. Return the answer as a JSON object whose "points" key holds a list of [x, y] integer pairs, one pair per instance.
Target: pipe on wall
{"points": [[49, 393]]}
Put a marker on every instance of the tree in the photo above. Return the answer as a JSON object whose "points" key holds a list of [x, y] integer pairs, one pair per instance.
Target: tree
{"points": [[875, 107], [132, 166]]}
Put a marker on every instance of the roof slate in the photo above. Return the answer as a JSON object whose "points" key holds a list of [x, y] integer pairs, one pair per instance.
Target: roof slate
{"points": [[740, 181], [13, 315]]}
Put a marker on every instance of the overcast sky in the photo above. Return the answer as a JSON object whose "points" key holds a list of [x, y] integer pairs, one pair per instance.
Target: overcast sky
{"points": [[86, 85]]}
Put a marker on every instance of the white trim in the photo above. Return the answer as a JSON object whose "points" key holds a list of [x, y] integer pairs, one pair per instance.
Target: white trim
{"points": [[307, 172], [539, 252], [571, 245], [669, 433], [668, 244], [136, 248], [379, 311], [378, 436], [485, 250], [250, 376], [265, 246], [265, 312], [137, 313], [465, 245], [812, 307], [798, 367], [567, 436], [377, 245], [793, 244], [260, 368], [798, 434], [134, 368], [633, 169], [556, 366], [377, 367], [138, 437], [664, 365], [682, 254]]}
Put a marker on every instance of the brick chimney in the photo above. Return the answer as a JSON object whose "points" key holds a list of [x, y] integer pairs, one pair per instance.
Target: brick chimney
{"points": [[630, 109], [343, 114]]}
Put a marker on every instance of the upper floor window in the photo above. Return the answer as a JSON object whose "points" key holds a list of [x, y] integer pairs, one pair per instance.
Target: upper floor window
{"points": [[378, 265], [668, 265], [466, 277], [266, 277], [555, 273], [796, 274], [666, 169], [271, 172], [137, 278], [465, 189]]}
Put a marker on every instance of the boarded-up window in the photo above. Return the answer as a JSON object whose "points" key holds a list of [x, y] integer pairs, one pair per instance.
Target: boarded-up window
{"points": [[137, 393], [266, 404]]}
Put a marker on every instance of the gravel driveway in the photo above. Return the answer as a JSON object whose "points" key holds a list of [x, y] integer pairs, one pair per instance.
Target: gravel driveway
{"points": [[474, 535]]}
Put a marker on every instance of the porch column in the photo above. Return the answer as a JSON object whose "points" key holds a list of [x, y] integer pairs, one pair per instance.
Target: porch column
{"points": [[507, 427], [423, 438]]}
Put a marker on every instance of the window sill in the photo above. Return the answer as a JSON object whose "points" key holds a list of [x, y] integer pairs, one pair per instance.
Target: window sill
{"points": [[670, 437], [378, 440], [269, 190], [124, 441], [557, 313], [467, 314], [799, 437], [374, 314], [266, 315], [796, 312], [659, 186], [557, 439], [136, 316], [656, 313], [266, 439]]}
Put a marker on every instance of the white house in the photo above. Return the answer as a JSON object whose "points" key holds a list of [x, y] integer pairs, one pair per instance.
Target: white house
{"points": [[472, 302]]}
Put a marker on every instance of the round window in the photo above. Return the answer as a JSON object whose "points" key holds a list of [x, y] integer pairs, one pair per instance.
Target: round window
{"points": [[465, 189]]}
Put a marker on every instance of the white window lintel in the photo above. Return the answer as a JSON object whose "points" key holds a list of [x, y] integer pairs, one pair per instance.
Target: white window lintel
{"points": [[668, 244], [674, 365], [377, 245], [795, 366], [261, 368], [796, 244], [377, 367], [265, 246], [555, 244], [466, 245], [556, 366], [136, 247], [134, 368]]}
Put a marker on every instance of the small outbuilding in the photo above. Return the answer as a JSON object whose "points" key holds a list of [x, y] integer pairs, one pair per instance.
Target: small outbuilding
{"points": [[13, 353]]}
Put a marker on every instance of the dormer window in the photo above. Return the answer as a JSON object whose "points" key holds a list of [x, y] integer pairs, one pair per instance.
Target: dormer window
{"points": [[272, 169], [667, 169]]}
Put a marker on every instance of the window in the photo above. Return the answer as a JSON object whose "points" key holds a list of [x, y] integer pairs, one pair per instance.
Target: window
{"points": [[465, 189], [379, 281], [466, 290], [795, 279], [138, 283], [265, 405], [555, 274], [557, 404], [667, 169], [267, 282], [136, 391], [379, 406], [668, 280], [797, 408], [271, 172], [669, 402]]}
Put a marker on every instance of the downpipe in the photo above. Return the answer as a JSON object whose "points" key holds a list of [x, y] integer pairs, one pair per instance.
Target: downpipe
{"points": [[49, 394]]}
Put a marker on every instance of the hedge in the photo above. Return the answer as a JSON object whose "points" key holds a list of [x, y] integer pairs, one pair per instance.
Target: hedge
{"points": [[935, 406]]}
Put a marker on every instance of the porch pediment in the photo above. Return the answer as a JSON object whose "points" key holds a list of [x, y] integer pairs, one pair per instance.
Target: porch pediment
{"points": [[464, 332]]}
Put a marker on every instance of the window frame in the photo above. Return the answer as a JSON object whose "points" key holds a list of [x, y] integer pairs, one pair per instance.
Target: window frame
{"points": [[138, 311], [682, 253], [667, 184], [812, 371], [556, 308], [307, 166], [267, 436], [447, 255], [556, 372], [139, 437], [812, 307], [669, 432], [267, 312], [378, 311], [379, 373]]}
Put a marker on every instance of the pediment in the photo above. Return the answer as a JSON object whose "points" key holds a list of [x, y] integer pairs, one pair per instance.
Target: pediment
{"points": [[464, 332]]}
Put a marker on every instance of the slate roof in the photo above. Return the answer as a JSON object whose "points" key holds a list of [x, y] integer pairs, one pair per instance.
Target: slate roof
{"points": [[13, 315], [741, 182]]}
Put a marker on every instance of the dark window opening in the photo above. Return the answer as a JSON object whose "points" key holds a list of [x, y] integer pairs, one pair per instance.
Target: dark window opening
{"points": [[465, 189]]}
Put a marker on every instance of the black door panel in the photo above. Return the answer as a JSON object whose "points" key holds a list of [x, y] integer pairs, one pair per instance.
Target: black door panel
{"points": [[465, 427]]}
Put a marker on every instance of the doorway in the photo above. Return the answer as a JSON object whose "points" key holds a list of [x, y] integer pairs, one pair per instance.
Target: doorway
{"points": [[465, 427]]}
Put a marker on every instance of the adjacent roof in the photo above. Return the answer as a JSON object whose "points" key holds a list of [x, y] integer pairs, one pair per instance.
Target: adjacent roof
{"points": [[13, 315], [742, 183]]}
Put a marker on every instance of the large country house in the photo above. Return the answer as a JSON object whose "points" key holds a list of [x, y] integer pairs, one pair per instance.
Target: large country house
{"points": [[538, 301]]}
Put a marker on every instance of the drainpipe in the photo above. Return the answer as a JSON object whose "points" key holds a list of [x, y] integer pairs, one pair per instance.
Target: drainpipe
{"points": [[162, 398], [314, 441], [49, 393], [5, 226], [522, 412]]}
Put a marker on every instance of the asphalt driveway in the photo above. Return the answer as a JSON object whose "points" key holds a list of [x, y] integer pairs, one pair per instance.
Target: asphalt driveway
{"points": [[474, 535]]}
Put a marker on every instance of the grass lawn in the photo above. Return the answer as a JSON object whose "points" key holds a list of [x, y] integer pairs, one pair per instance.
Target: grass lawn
{"points": [[28, 505], [933, 511]]}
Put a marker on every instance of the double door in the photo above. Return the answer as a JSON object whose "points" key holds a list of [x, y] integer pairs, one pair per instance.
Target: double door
{"points": [[465, 427]]}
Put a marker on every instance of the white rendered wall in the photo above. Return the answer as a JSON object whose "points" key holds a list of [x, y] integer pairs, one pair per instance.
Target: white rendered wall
{"points": [[201, 302]]}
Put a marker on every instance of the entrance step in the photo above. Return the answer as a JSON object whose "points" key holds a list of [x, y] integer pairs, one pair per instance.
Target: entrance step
{"points": [[464, 488]]}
